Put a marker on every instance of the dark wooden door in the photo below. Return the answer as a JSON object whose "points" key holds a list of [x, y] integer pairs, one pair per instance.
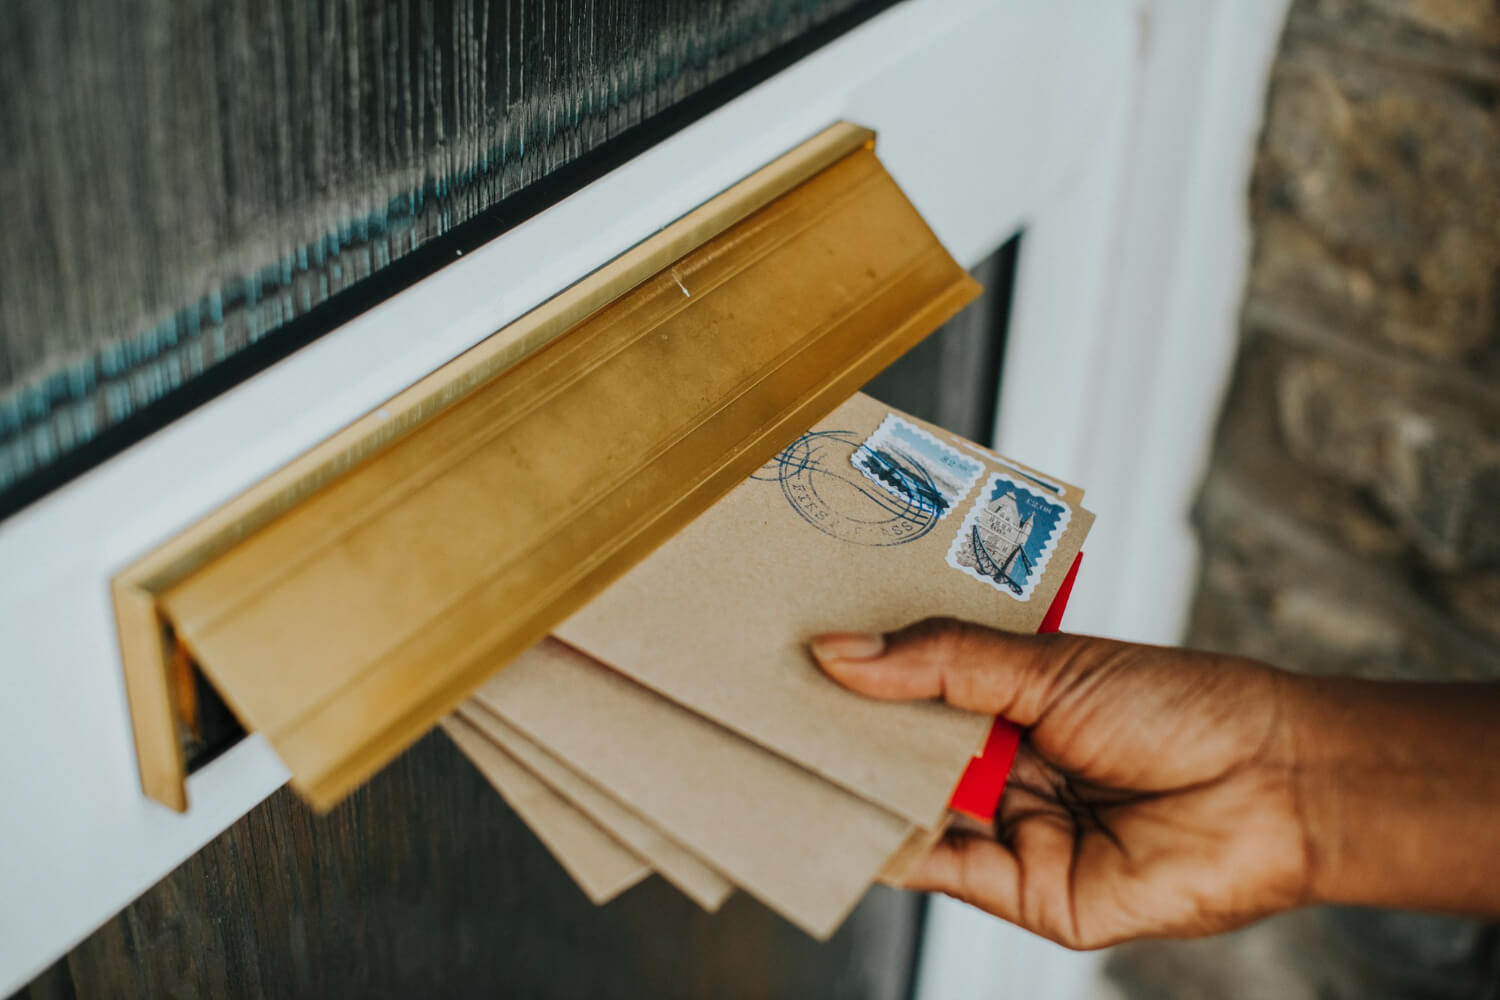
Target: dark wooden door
{"points": [[425, 884]]}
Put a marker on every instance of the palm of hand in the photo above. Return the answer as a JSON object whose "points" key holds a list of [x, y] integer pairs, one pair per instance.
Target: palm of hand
{"points": [[1145, 800]]}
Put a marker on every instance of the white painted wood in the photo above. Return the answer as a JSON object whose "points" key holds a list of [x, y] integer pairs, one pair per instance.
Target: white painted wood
{"points": [[1134, 280], [1121, 341], [983, 107]]}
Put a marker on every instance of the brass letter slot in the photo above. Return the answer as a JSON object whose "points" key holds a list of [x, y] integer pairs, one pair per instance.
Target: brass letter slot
{"points": [[345, 604]]}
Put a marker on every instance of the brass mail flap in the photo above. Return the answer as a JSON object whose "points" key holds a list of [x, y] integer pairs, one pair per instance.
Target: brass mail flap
{"points": [[345, 605]]}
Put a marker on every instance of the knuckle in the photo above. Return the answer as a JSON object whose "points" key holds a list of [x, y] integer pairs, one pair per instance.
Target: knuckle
{"points": [[967, 655], [968, 882], [959, 655], [932, 630], [945, 640], [949, 644], [932, 643]]}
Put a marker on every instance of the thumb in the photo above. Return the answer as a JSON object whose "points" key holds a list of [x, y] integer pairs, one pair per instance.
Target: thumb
{"points": [[968, 666]]}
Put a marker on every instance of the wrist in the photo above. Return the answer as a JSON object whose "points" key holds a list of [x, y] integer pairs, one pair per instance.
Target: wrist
{"points": [[1322, 746], [1393, 784]]}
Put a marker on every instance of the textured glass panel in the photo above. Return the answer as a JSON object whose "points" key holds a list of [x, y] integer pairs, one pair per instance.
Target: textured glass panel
{"points": [[183, 178]]}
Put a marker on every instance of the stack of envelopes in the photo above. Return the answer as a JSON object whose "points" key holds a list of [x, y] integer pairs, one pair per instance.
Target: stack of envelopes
{"points": [[678, 724]]}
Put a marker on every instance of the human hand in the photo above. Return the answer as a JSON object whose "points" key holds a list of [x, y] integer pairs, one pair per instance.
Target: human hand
{"points": [[1154, 794]]}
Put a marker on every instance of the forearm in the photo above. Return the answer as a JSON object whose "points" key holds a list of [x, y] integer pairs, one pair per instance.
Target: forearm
{"points": [[1399, 789]]}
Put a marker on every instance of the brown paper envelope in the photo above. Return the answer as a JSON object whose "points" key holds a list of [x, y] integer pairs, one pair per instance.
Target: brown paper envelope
{"points": [[1072, 494], [803, 846], [718, 618], [671, 860], [601, 865], [901, 864]]}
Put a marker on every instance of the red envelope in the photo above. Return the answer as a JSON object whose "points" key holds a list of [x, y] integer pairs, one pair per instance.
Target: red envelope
{"points": [[978, 791]]}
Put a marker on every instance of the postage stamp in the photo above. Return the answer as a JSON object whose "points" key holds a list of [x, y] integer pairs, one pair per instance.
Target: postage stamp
{"points": [[905, 460], [1008, 536], [823, 485], [998, 459]]}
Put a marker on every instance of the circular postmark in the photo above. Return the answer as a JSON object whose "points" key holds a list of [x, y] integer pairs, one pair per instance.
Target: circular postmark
{"points": [[819, 480]]}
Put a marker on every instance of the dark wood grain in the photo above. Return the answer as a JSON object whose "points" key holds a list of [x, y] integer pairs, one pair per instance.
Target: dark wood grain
{"points": [[196, 189], [424, 884]]}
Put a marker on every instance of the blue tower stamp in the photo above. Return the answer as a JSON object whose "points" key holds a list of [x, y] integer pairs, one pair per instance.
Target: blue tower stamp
{"points": [[1008, 536]]}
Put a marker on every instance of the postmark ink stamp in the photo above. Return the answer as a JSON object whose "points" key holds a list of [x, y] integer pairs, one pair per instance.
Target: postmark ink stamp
{"points": [[905, 460], [826, 489], [1008, 536]]}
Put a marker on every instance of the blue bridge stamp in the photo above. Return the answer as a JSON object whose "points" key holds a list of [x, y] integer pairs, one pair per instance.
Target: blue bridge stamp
{"points": [[1007, 538], [906, 461]]}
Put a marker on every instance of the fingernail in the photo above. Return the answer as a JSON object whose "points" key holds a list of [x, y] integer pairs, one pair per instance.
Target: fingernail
{"points": [[848, 646]]}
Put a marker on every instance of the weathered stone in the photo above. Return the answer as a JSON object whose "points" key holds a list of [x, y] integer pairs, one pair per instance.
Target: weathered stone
{"points": [[1325, 618], [1251, 442], [1474, 600], [1434, 466], [1379, 203], [1250, 964], [1274, 588], [1413, 953], [1247, 622], [1468, 23], [1350, 522], [1332, 953]]}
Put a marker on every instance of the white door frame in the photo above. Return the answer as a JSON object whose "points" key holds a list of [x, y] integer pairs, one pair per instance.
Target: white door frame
{"points": [[992, 114], [1121, 342]]}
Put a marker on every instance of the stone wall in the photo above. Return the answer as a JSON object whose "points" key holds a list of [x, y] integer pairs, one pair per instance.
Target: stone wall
{"points": [[1351, 518]]}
